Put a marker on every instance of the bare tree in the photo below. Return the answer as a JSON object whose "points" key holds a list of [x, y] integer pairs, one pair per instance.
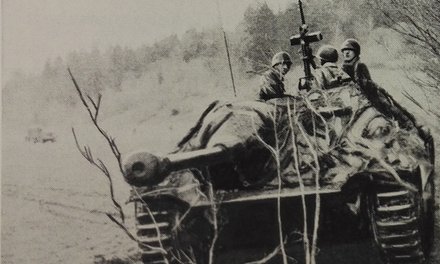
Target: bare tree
{"points": [[419, 23]]}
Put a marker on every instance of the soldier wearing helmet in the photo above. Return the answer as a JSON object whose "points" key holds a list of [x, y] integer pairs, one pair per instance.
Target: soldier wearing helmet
{"points": [[378, 96], [329, 75], [359, 73], [271, 84], [357, 70]]}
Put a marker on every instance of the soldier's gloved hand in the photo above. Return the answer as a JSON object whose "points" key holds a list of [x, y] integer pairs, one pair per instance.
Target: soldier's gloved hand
{"points": [[364, 83], [403, 121], [424, 133], [406, 124]]}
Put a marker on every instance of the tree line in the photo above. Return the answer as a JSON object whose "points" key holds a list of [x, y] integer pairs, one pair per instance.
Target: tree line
{"points": [[261, 33]]}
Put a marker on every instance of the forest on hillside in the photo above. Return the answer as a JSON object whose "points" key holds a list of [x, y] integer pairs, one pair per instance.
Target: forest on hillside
{"points": [[261, 33]]}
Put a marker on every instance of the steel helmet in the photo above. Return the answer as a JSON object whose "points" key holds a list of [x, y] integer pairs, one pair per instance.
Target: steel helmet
{"points": [[328, 53], [351, 44], [281, 57]]}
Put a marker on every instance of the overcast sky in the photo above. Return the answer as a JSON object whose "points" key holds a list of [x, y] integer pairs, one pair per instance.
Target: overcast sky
{"points": [[34, 30]]}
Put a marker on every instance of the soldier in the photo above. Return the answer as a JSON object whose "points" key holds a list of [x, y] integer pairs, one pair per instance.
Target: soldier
{"points": [[329, 75], [378, 96], [360, 74], [271, 84], [357, 70]]}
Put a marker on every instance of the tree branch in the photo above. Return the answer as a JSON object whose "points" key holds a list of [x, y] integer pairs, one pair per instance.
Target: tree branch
{"points": [[93, 111], [94, 116]]}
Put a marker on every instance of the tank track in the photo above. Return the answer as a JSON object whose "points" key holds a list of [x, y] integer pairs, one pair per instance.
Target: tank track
{"points": [[397, 227], [154, 234]]}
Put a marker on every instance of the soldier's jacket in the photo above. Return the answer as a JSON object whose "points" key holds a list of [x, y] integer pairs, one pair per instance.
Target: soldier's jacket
{"points": [[357, 70], [271, 85], [380, 98], [386, 104], [330, 76]]}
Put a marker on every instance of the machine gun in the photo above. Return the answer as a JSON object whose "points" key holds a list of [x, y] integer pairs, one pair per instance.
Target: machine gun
{"points": [[304, 38]]}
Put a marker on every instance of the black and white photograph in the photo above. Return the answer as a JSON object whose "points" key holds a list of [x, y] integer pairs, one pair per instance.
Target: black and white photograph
{"points": [[220, 131]]}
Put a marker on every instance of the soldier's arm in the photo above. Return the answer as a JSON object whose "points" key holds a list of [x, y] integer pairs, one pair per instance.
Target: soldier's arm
{"points": [[320, 79], [386, 104], [267, 87], [399, 108], [363, 72]]}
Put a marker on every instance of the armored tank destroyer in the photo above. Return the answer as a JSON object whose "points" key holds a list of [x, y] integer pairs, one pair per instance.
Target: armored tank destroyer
{"points": [[326, 166], [256, 174]]}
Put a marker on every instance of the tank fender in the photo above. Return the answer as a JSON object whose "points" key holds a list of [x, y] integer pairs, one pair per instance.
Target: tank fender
{"points": [[182, 186]]}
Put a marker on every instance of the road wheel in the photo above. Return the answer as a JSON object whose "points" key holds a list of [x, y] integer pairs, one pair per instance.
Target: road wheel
{"points": [[153, 231], [161, 234], [402, 223]]}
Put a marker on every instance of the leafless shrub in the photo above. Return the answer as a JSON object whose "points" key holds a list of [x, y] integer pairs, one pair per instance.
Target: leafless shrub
{"points": [[93, 108], [275, 151], [309, 248]]}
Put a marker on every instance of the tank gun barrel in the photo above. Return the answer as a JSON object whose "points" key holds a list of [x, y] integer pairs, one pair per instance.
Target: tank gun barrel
{"points": [[143, 168]]}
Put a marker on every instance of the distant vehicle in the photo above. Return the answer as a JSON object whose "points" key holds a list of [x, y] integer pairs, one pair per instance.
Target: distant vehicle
{"points": [[37, 135]]}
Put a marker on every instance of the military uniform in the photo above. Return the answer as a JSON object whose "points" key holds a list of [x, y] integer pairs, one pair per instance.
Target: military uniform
{"points": [[386, 104], [357, 70], [271, 85], [378, 96], [271, 82], [330, 76]]}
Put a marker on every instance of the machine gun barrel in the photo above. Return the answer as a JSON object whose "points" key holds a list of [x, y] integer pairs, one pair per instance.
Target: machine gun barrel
{"points": [[304, 38], [143, 168]]}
